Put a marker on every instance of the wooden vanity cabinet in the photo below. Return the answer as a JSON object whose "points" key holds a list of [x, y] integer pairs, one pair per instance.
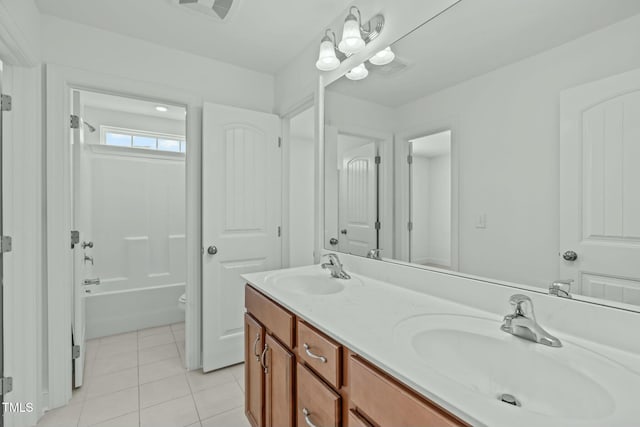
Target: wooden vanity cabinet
{"points": [[322, 383], [269, 363]]}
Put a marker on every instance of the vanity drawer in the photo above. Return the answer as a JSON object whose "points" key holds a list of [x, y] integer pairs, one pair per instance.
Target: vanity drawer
{"points": [[275, 318], [317, 403], [322, 354], [388, 403], [356, 420]]}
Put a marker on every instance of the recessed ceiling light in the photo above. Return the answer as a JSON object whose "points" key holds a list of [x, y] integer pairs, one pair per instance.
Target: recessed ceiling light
{"points": [[161, 108]]}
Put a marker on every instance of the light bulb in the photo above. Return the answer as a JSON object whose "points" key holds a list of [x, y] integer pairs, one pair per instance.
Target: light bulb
{"points": [[384, 57], [358, 73], [352, 41], [327, 59]]}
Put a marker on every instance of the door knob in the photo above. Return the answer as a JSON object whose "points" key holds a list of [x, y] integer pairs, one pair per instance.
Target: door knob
{"points": [[333, 241], [212, 250], [570, 256]]}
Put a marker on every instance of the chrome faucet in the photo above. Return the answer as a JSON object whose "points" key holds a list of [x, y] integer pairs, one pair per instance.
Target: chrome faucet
{"points": [[561, 288], [522, 323], [335, 266]]}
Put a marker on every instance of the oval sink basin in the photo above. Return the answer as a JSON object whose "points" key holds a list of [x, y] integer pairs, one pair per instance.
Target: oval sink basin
{"points": [[568, 382], [311, 284]]}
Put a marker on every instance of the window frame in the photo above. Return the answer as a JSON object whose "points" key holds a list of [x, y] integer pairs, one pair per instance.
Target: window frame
{"points": [[182, 140]]}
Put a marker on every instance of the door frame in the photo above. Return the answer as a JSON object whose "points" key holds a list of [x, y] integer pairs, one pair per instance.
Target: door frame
{"points": [[402, 213], [59, 82], [306, 103]]}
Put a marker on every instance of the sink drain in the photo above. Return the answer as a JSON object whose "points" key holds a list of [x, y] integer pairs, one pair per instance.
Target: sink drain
{"points": [[510, 399]]}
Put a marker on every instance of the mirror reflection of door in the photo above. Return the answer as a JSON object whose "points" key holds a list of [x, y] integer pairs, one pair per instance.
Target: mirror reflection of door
{"points": [[430, 200], [358, 194]]}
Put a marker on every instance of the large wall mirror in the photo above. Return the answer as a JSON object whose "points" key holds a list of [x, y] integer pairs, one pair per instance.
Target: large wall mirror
{"points": [[502, 142]]}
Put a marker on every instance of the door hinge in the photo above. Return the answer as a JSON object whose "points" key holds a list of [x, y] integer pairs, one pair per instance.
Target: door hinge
{"points": [[6, 385], [378, 225], [279, 141], [378, 160], [410, 226], [74, 122], [410, 159], [5, 102], [279, 231], [75, 351], [75, 238], [6, 244]]}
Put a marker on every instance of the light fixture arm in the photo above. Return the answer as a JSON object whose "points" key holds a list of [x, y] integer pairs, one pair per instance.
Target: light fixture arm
{"points": [[330, 35]]}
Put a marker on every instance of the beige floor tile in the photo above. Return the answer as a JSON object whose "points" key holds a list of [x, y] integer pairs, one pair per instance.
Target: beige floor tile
{"points": [[163, 390], [177, 326], [200, 381], [127, 336], [129, 420], [106, 384], [78, 395], [159, 370], [107, 351], [66, 416], [157, 353], [156, 339], [216, 400], [154, 331], [109, 406], [233, 418], [178, 336], [116, 363], [175, 413]]}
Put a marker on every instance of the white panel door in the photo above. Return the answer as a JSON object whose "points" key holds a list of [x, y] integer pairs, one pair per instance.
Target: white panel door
{"points": [[600, 187], [358, 208], [241, 214], [79, 222]]}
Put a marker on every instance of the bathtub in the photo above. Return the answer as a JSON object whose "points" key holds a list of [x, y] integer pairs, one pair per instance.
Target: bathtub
{"points": [[114, 308]]}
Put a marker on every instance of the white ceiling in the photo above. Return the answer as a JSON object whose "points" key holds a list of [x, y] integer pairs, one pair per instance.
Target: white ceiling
{"points": [[478, 36], [131, 105], [258, 34]]}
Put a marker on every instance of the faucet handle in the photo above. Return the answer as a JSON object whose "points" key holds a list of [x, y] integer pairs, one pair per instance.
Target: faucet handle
{"points": [[518, 301]]}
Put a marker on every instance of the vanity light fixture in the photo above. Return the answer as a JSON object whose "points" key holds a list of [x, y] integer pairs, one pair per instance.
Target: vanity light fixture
{"points": [[352, 41], [328, 58], [161, 108], [358, 73], [355, 37], [384, 57]]}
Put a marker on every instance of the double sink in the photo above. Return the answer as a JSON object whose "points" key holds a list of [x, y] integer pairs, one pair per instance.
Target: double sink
{"points": [[571, 383]]}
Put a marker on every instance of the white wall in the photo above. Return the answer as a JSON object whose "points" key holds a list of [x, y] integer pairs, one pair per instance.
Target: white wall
{"points": [[20, 32], [98, 116], [420, 201], [439, 214], [507, 133], [80, 46]]}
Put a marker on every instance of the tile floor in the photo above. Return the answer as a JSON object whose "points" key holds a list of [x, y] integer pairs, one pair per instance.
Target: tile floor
{"points": [[139, 379]]}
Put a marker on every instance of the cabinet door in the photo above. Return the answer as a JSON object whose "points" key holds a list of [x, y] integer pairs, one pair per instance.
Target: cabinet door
{"points": [[279, 382], [253, 372]]}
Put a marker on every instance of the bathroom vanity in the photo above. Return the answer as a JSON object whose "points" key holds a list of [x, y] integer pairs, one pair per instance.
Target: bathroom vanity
{"points": [[325, 351], [297, 375]]}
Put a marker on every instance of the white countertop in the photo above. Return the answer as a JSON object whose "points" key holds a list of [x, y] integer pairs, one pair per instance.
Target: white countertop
{"points": [[363, 319]]}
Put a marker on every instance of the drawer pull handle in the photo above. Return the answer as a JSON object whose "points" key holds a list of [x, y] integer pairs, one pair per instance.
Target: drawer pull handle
{"points": [[314, 356], [255, 344], [307, 414], [263, 359]]}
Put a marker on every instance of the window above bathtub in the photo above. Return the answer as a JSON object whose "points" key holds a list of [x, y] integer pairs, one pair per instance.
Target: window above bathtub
{"points": [[142, 140]]}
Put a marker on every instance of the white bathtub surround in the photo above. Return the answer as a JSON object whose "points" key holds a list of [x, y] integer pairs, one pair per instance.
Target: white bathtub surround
{"points": [[113, 308], [138, 379], [368, 317]]}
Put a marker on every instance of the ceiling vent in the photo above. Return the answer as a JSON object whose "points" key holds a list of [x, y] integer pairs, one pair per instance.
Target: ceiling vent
{"points": [[219, 9]]}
